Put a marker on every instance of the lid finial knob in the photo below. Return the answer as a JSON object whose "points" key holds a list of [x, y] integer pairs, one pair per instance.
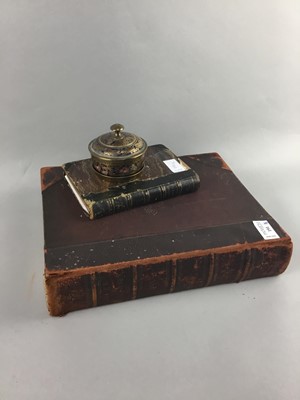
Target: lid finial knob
{"points": [[117, 128]]}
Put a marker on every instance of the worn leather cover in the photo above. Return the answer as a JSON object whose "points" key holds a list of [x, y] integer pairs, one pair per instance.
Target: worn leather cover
{"points": [[198, 239], [155, 182]]}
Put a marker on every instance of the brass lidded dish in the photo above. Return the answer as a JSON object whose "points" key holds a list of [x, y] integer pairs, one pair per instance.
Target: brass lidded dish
{"points": [[118, 154]]}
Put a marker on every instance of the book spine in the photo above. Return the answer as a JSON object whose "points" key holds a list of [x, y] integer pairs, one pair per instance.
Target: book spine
{"points": [[142, 197], [75, 291]]}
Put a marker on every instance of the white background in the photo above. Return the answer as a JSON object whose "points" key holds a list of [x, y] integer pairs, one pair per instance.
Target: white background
{"points": [[197, 76]]}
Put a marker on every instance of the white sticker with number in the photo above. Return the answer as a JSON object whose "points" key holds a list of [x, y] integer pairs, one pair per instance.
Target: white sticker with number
{"points": [[265, 229], [174, 165]]}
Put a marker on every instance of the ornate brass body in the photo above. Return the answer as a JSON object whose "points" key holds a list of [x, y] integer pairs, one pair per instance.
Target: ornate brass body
{"points": [[118, 154]]}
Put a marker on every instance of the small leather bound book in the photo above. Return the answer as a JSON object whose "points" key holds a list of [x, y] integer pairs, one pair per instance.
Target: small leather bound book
{"points": [[217, 234], [163, 176]]}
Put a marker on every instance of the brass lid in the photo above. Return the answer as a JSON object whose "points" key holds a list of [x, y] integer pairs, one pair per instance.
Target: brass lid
{"points": [[117, 145]]}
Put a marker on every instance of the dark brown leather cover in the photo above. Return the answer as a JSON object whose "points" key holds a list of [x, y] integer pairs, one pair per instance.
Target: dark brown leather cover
{"points": [[198, 239]]}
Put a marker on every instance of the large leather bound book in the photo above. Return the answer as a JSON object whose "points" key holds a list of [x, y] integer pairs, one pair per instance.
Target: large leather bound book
{"points": [[217, 234]]}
